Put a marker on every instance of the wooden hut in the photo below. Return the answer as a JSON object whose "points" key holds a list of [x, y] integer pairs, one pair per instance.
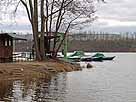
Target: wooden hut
{"points": [[48, 39], [6, 46]]}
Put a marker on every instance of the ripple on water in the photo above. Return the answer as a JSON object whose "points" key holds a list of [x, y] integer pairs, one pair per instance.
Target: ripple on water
{"points": [[108, 81]]}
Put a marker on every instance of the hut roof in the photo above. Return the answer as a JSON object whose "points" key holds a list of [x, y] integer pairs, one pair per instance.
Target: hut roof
{"points": [[14, 36]]}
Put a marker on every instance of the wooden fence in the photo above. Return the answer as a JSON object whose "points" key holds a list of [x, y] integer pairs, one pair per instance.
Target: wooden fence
{"points": [[23, 57]]}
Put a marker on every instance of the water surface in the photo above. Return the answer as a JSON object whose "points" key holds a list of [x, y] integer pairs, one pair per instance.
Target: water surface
{"points": [[108, 81]]}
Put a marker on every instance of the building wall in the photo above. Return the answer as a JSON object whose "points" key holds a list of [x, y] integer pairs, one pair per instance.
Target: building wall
{"points": [[6, 53], [6, 50]]}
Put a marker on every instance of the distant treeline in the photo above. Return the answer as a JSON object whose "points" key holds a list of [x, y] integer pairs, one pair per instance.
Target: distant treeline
{"points": [[102, 36], [93, 42], [103, 42], [103, 45]]}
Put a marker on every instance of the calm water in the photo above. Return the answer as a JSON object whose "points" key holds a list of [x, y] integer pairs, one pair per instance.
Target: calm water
{"points": [[108, 81]]}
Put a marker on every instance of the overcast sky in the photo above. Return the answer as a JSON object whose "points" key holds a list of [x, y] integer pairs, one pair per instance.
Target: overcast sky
{"points": [[116, 16], [113, 16]]}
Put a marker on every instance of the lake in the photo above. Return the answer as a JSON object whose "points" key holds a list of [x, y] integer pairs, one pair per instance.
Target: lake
{"points": [[107, 81]]}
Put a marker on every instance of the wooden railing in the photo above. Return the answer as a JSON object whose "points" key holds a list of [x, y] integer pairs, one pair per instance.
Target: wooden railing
{"points": [[23, 57]]}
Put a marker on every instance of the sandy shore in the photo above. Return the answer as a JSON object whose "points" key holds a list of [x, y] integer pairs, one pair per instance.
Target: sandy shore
{"points": [[11, 71]]}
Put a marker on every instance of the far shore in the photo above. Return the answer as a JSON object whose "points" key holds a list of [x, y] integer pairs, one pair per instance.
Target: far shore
{"points": [[22, 70]]}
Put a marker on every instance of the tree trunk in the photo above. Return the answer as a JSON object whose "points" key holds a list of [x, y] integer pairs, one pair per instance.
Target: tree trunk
{"points": [[42, 42], [57, 28], [35, 30], [50, 24], [36, 44]]}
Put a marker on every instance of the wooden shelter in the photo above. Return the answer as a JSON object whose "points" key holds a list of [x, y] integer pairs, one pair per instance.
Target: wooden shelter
{"points": [[48, 39], [6, 46], [46, 42]]}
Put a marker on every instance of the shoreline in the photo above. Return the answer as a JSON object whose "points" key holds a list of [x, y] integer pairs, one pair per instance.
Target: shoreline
{"points": [[35, 70]]}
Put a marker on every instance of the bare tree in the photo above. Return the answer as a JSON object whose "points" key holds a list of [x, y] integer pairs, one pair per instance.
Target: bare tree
{"points": [[64, 14], [47, 16]]}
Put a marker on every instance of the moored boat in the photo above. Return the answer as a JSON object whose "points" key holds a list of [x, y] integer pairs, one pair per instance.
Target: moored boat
{"points": [[97, 57], [76, 56], [108, 58], [103, 56], [88, 59]]}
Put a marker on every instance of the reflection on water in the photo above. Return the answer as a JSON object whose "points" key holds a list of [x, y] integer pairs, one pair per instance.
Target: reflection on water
{"points": [[34, 91], [108, 81]]}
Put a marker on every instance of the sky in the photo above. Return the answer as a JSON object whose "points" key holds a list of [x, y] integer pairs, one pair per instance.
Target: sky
{"points": [[114, 16]]}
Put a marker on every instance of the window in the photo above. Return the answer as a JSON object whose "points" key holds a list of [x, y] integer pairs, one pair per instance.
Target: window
{"points": [[9, 42], [6, 42]]}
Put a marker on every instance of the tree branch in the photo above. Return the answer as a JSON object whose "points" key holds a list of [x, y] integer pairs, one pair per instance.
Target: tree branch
{"points": [[65, 34], [47, 12], [61, 8], [28, 13], [51, 16], [31, 8]]}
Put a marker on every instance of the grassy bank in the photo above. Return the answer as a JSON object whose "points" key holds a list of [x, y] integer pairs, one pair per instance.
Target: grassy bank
{"points": [[11, 71]]}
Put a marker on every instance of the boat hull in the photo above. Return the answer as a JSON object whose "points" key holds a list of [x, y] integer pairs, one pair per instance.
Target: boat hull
{"points": [[108, 58], [100, 59], [91, 59]]}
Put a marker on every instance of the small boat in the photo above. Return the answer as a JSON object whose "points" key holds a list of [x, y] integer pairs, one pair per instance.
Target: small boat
{"points": [[77, 53], [103, 56], [88, 59], [108, 58], [76, 56], [97, 57]]}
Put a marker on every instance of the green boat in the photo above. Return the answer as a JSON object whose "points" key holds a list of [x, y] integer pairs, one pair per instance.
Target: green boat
{"points": [[90, 58], [77, 53], [100, 55], [76, 56], [97, 57]]}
